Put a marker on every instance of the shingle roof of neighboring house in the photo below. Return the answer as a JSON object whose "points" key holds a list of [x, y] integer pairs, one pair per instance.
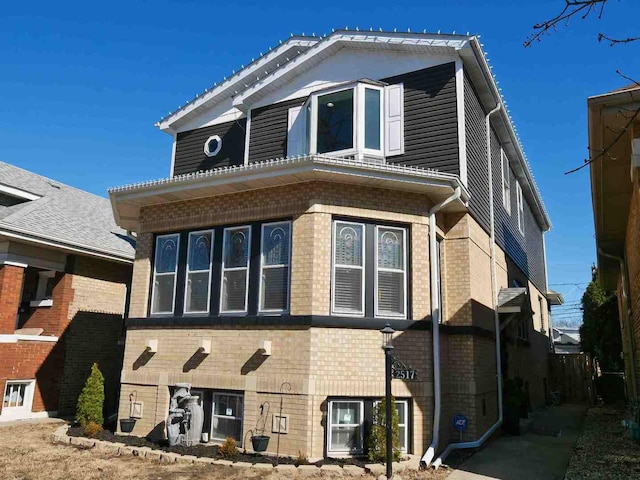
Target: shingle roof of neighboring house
{"points": [[63, 216]]}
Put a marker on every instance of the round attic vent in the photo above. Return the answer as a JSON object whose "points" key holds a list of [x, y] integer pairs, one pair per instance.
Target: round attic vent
{"points": [[212, 146]]}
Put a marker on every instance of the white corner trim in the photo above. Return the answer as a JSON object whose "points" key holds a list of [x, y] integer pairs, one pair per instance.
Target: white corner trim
{"points": [[247, 136], [13, 338], [173, 154], [41, 303], [14, 264], [18, 193], [462, 135]]}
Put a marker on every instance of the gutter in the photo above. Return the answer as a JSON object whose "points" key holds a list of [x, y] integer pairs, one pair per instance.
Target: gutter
{"points": [[436, 315], [496, 317], [625, 306]]}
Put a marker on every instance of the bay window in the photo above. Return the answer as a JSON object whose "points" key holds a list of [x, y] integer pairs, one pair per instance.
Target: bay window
{"points": [[361, 119], [235, 269], [164, 273], [198, 277], [275, 267]]}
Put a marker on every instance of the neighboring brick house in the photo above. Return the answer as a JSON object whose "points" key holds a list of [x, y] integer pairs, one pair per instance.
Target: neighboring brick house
{"points": [[299, 219], [614, 147], [64, 272]]}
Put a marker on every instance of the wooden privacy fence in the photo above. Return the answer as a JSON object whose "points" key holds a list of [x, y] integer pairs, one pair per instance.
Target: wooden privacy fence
{"points": [[572, 376]]}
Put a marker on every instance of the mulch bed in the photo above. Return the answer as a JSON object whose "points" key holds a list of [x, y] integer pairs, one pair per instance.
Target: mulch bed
{"points": [[604, 449], [207, 451]]}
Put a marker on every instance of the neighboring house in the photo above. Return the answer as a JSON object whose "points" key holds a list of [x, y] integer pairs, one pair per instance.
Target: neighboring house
{"points": [[64, 272], [298, 220], [614, 146], [566, 340]]}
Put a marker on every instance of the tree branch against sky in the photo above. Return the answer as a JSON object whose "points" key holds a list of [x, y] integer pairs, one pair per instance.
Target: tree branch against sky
{"points": [[583, 9]]}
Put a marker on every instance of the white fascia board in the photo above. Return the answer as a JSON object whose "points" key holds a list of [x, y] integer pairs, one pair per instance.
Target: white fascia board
{"points": [[18, 193], [474, 54], [26, 236], [398, 40], [235, 82]]}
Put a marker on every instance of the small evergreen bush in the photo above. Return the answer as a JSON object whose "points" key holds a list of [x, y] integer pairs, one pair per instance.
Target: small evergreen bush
{"points": [[91, 399], [228, 449], [301, 459], [91, 429], [377, 440]]}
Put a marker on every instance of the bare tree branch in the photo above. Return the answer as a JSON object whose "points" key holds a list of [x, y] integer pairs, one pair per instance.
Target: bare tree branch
{"points": [[607, 150], [571, 8], [614, 41]]}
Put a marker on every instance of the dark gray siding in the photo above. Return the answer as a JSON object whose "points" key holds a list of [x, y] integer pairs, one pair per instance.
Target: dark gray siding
{"points": [[430, 118], [268, 135], [526, 250], [190, 155]]}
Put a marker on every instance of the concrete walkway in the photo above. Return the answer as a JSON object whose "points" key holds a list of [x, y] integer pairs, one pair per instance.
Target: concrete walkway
{"points": [[30, 421], [541, 455]]}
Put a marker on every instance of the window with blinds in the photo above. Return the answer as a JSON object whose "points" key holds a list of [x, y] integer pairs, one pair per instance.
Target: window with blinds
{"points": [[198, 277], [348, 268], [235, 269], [391, 282], [275, 267], [164, 274]]}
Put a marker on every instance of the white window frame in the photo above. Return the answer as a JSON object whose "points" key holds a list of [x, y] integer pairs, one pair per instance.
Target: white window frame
{"points": [[361, 268], [156, 274], [223, 269], [330, 429], [214, 152], [27, 402], [263, 267], [232, 417], [405, 406], [41, 290], [404, 231], [188, 271], [360, 119], [313, 140], [520, 203], [506, 181]]}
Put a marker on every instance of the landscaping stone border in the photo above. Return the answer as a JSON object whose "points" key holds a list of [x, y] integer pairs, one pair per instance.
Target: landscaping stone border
{"points": [[60, 436]]}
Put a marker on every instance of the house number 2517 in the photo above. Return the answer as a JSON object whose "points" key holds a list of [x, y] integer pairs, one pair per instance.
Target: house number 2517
{"points": [[405, 374]]}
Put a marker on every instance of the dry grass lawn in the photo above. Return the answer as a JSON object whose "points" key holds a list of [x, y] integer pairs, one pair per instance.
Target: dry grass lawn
{"points": [[27, 453]]}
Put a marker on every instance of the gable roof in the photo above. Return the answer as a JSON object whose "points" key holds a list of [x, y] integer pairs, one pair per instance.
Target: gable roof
{"points": [[61, 216], [298, 53]]}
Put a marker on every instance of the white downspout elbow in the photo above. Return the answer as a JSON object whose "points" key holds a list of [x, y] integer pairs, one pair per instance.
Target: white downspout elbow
{"points": [[494, 295], [436, 316]]}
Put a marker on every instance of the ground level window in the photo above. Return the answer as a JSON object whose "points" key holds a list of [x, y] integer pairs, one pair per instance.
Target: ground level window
{"points": [[17, 398], [226, 418], [402, 407], [346, 433]]}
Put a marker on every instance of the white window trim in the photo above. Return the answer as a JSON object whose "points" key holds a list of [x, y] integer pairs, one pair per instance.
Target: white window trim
{"points": [[223, 269], [174, 273], [520, 205], [27, 401], [362, 269], [187, 272], [330, 425], [377, 313], [405, 406], [233, 417], [212, 153], [360, 101], [263, 267], [313, 140], [506, 181]]}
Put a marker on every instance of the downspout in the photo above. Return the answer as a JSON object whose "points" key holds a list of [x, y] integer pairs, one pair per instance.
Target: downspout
{"points": [[625, 306], [494, 294], [436, 315]]}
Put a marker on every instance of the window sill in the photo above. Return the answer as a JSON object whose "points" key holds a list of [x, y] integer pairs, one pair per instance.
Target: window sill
{"points": [[41, 303]]}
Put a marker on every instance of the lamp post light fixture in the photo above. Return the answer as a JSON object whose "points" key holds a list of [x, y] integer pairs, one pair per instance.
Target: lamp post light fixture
{"points": [[387, 337]]}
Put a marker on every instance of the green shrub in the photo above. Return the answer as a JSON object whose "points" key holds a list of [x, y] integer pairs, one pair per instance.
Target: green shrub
{"points": [[377, 440], [228, 449], [91, 399]]}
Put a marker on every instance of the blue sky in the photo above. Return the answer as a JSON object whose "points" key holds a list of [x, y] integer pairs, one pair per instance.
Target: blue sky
{"points": [[82, 85]]}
